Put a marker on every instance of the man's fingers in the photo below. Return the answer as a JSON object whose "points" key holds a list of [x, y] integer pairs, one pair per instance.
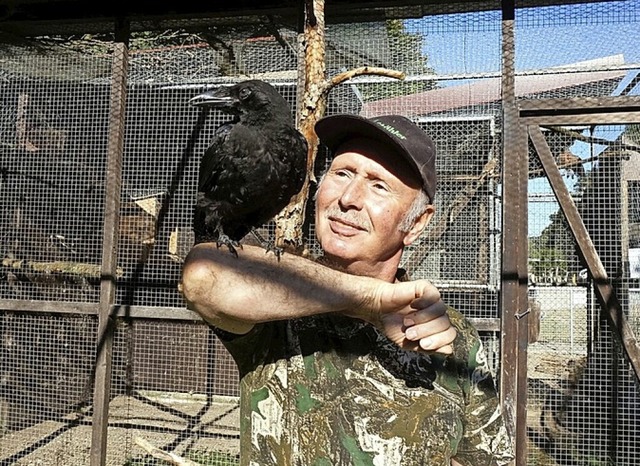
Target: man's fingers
{"points": [[416, 321], [426, 294], [429, 328], [440, 342], [447, 349], [425, 313]]}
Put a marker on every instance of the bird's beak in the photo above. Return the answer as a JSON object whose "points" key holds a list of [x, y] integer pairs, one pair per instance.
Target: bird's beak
{"points": [[218, 98]]}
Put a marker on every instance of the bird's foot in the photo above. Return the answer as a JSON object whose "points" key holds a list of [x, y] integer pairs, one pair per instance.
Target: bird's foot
{"points": [[269, 246], [224, 240]]}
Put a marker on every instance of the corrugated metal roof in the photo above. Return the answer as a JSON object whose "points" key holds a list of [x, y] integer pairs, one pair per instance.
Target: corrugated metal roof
{"points": [[483, 91]]}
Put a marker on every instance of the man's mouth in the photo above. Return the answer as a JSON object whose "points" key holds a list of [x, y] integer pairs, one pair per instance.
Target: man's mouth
{"points": [[344, 227]]}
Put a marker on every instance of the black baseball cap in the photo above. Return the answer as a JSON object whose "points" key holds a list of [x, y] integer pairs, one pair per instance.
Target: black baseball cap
{"points": [[399, 132]]}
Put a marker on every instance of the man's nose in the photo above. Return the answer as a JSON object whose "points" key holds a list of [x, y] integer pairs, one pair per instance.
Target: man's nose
{"points": [[353, 194]]}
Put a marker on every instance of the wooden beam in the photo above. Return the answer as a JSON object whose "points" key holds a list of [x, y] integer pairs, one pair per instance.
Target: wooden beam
{"points": [[106, 324], [579, 105], [120, 310], [602, 117], [513, 296], [580, 111], [485, 324], [56, 307]]}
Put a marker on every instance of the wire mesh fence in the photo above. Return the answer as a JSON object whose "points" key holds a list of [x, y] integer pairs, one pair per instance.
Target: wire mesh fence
{"points": [[574, 344], [172, 382]]}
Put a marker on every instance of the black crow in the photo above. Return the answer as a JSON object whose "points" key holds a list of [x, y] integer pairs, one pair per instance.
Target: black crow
{"points": [[253, 167]]}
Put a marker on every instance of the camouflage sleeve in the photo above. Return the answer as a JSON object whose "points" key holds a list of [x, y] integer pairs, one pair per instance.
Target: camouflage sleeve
{"points": [[485, 439], [254, 348]]}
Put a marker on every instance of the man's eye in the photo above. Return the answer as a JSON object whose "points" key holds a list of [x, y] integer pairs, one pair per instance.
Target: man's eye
{"points": [[380, 186]]}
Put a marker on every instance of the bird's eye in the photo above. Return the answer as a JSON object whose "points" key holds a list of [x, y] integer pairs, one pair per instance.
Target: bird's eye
{"points": [[245, 93]]}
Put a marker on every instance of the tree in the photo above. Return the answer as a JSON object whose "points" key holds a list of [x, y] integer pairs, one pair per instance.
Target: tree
{"points": [[552, 255]]}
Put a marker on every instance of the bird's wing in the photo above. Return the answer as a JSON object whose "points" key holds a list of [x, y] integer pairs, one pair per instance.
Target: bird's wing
{"points": [[232, 168], [213, 158], [295, 159], [249, 174], [276, 175]]}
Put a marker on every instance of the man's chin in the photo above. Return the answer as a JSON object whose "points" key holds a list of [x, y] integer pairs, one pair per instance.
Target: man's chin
{"points": [[339, 248]]}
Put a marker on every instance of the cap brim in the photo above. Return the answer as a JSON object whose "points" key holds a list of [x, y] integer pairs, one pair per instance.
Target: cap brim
{"points": [[334, 130]]}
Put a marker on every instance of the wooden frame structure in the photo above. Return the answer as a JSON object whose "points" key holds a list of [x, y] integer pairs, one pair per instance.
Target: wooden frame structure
{"points": [[522, 122]]}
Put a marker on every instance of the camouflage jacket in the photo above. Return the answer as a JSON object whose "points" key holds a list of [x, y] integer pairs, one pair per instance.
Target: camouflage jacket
{"points": [[331, 390]]}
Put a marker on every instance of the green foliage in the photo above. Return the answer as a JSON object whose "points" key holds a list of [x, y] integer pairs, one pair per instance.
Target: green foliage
{"points": [[633, 132], [552, 256], [546, 260], [546, 263]]}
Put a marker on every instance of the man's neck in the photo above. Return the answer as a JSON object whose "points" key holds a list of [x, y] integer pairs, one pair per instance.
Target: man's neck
{"points": [[382, 270]]}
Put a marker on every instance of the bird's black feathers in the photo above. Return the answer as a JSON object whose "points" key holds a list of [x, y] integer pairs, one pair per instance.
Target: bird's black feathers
{"points": [[254, 165]]}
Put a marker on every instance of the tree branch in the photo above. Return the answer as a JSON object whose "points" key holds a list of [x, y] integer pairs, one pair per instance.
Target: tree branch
{"points": [[363, 70], [592, 139]]}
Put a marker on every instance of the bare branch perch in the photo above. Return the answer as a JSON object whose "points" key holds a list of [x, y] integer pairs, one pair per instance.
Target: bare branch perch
{"points": [[290, 221], [363, 70], [58, 267]]}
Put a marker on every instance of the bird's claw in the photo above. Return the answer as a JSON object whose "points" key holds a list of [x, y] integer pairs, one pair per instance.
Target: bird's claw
{"points": [[224, 240], [271, 247]]}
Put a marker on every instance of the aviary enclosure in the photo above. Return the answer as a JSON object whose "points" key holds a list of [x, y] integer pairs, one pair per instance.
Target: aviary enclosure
{"points": [[534, 109]]}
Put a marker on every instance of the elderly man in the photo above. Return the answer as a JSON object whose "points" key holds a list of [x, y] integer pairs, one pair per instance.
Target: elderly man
{"points": [[343, 361]]}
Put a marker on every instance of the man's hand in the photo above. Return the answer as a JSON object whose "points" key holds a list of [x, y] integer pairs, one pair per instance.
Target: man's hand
{"points": [[414, 317]]}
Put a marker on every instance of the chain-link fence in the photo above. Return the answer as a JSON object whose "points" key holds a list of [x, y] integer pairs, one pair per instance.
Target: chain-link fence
{"points": [[169, 381]]}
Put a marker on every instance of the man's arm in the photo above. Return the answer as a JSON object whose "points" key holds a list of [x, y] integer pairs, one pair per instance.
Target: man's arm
{"points": [[235, 293]]}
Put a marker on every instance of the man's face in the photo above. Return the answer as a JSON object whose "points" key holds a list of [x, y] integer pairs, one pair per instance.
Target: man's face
{"points": [[360, 203]]}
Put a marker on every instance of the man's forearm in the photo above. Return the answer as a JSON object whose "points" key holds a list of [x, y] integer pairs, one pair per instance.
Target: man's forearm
{"points": [[234, 293]]}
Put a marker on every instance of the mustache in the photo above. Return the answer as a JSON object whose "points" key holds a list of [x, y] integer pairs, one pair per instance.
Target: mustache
{"points": [[350, 217]]}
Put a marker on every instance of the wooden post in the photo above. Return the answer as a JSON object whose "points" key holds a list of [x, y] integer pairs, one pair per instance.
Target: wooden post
{"points": [[513, 297], [106, 322], [310, 109]]}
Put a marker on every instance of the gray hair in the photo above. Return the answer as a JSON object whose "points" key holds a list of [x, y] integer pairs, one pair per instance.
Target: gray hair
{"points": [[418, 207]]}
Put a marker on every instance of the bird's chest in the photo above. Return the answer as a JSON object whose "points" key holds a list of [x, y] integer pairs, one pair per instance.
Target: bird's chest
{"points": [[256, 163]]}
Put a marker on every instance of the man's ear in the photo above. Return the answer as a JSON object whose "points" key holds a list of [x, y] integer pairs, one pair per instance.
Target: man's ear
{"points": [[419, 226]]}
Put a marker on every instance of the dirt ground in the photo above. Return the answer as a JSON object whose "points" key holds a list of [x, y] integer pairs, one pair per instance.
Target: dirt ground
{"points": [[170, 421]]}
